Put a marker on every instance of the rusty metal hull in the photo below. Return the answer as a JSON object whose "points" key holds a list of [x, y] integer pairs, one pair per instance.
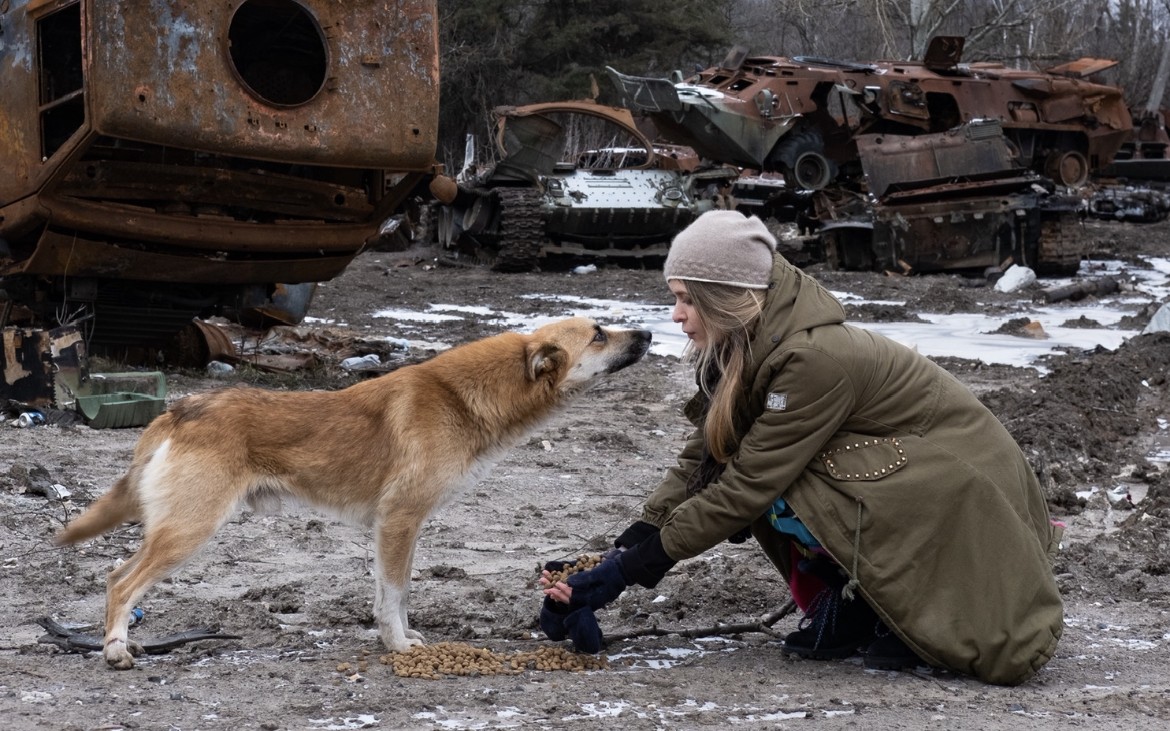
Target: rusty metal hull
{"points": [[199, 142]]}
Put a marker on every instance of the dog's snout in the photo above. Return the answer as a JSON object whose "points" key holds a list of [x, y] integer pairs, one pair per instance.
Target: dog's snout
{"points": [[643, 338], [637, 346]]}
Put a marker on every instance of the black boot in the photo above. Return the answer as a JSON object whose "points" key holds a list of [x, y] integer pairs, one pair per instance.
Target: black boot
{"points": [[889, 652], [834, 627]]}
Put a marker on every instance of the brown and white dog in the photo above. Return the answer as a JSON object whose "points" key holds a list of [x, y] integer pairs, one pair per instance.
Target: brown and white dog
{"points": [[384, 453]]}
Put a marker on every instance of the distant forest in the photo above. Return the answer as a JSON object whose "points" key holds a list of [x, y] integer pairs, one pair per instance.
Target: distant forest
{"points": [[508, 52]]}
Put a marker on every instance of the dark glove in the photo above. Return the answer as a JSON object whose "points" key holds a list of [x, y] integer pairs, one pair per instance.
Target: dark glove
{"points": [[635, 534], [630, 537], [584, 631], [580, 625], [599, 585], [552, 619], [645, 564], [557, 567]]}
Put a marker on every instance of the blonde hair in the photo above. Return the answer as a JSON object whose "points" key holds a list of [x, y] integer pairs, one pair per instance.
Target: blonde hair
{"points": [[728, 314]]}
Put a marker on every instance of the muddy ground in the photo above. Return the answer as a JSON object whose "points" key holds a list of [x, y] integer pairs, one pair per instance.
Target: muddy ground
{"points": [[297, 587]]}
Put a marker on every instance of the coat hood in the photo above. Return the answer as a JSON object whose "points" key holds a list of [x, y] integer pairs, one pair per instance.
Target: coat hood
{"points": [[795, 302]]}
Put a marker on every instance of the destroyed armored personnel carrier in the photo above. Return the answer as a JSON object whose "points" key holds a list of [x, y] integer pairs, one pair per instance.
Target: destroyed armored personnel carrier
{"points": [[910, 167], [546, 198], [168, 159], [802, 116]]}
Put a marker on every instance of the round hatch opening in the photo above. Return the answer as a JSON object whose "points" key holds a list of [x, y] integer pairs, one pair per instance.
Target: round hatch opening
{"points": [[278, 51]]}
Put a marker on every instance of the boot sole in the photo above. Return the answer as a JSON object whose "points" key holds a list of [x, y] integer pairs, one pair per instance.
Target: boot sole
{"points": [[890, 663], [820, 654]]}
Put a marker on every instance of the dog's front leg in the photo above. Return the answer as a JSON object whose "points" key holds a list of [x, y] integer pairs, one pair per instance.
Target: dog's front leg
{"points": [[396, 536]]}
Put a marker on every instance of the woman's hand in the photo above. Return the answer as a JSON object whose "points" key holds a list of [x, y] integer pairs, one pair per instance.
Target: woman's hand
{"points": [[560, 591]]}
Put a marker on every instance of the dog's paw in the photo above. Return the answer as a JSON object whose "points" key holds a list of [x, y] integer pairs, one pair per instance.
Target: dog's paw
{"points": [[118, 655], [402, 642]]}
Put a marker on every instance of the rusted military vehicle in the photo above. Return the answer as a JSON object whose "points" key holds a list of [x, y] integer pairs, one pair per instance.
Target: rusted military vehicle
{"points": [[802, 116], [929, 166], [164, 159], [576, 181], [947, 201]]}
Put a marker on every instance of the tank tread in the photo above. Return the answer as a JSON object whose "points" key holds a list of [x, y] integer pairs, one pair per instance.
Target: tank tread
{"points": [[1062, 246], [522, 237]]}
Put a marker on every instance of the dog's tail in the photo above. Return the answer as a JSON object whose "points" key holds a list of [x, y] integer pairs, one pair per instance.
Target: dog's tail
{"points": [[119, 505]]}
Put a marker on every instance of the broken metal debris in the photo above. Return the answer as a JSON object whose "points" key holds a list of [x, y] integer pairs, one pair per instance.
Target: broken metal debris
{"points": [[1130, 204], [47, 372], [31, 360], [1081, 289], [37, 481]]}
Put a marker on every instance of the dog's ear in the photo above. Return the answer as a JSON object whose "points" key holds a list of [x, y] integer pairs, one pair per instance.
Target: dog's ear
{"points": [[544, 358]]}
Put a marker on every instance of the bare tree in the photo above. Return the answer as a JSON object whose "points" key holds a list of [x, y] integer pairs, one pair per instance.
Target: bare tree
{"points": [[1158, 86]]}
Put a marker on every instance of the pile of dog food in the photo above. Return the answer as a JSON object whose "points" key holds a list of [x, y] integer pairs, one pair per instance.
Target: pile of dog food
{"points": [[443, 659]]}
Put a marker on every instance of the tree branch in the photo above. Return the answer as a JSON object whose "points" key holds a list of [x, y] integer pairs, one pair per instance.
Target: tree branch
{"points": [[763, 626]]}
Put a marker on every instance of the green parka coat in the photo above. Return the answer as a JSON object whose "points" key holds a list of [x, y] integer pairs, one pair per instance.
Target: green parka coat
{"points": [[900, 473]]}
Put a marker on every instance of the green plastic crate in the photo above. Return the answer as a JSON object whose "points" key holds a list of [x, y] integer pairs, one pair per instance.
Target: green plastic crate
{"points": [[120, 409], [115, 400]]}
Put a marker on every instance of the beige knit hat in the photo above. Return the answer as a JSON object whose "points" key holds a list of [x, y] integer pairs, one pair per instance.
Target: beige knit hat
{"points": [[725, 247]]}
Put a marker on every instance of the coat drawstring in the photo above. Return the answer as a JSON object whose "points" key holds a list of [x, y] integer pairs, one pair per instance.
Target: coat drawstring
{"points": [[848, 591]]}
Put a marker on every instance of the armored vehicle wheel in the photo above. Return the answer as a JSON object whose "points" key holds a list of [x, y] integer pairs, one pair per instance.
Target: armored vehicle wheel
{"points": [[1067, 167], [800, 156], [812, 171]]}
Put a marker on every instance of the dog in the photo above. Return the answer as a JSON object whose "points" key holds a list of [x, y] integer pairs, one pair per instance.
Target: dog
{"points": [[385, 453]]}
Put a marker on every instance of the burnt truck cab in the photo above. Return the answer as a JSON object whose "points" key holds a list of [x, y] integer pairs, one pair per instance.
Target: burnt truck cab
{"points": [[163, 159]]}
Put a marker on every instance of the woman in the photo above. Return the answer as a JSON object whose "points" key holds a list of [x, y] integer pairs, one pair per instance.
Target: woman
{"points": [[900, 511]]}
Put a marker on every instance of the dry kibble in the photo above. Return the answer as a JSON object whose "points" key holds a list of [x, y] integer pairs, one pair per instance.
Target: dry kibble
{"points": [[584, 562], [456, 658]]}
